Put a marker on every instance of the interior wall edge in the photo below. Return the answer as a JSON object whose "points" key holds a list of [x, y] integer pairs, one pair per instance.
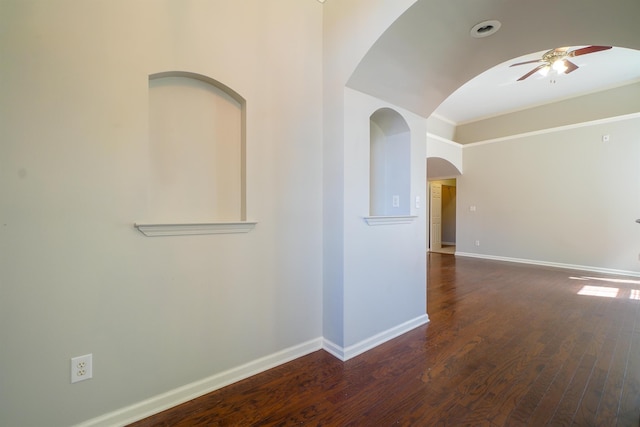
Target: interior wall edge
{"points": [[380, 338]]}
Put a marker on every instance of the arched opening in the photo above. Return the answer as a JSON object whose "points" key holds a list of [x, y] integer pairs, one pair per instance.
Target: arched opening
{"points": [[442, 194], [439, 168]]}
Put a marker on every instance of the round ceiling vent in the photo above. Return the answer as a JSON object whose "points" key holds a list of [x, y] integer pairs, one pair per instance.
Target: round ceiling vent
{"points": [[485, 29]]}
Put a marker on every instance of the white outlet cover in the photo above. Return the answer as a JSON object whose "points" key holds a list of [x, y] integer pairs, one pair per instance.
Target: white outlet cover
{"points": [[81, 368]]}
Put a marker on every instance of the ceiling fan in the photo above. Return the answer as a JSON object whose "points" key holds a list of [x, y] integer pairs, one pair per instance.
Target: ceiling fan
{"points": [[557, 59]]}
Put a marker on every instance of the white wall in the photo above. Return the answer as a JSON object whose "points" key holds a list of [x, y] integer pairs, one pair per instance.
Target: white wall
{"points": [[350, 28], [437, 125], [445, 155], [562, 196], [76, 277], [385, 271]]}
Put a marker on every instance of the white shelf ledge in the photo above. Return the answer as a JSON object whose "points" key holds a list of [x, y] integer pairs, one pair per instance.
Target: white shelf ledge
{"points": [[189, 229], [390, 220]]}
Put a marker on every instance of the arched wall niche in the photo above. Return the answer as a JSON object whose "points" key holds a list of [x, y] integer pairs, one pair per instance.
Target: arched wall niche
{"points": [[206, 79], [196, 155], [390, 164]]}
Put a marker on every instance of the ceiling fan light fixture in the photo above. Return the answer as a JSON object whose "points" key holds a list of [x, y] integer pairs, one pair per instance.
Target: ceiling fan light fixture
{"points": [[560, 66], [558, 60], [485, 28]]}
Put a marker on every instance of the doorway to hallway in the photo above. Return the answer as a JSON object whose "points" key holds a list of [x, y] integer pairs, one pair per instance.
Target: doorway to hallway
{"points": [[442, 216]]}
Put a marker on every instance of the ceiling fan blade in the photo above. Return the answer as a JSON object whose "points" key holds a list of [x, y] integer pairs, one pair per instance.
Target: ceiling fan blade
{"points": [[532, 72], [526, 62], [588, 49], [570, 66]]}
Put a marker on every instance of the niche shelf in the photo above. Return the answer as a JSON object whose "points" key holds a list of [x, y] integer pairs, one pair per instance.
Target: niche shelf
{"points": [[390, 220], [190, 229]]}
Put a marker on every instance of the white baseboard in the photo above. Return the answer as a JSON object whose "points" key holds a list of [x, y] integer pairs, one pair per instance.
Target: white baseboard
{"points": [[196, 389], [188, 392], [552, 264], [332, 348], [347, 353]]}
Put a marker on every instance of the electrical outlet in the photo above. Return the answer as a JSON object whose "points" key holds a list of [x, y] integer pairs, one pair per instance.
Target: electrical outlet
{"points": [[395, 201], [477, 242], [81, 368]]}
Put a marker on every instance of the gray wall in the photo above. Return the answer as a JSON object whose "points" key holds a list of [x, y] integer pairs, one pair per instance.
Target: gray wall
{"points": [[562, 196], [607, 103]]}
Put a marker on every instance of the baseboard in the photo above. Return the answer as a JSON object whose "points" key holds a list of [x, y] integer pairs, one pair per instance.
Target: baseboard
{"points": [[196, 389], [185, 393], [552, 264], [354, 350], [332, 348]]}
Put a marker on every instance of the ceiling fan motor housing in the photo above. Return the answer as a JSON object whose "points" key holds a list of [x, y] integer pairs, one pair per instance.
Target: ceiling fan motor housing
{"points": [[554, 55]]}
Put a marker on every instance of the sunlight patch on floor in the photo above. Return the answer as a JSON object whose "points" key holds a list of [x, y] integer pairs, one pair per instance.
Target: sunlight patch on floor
{"points": [[599, 291], [624, 290]]}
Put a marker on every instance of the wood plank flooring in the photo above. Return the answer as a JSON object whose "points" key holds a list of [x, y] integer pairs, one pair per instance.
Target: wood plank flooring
{"points": [[507, 345]]}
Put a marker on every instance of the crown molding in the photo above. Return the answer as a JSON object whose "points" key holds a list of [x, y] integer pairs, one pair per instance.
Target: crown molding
{"points": [[554, 129]]}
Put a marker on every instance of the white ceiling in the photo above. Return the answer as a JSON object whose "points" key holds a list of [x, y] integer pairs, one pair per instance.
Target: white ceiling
{"points": [[428, 52], [497, 91]]}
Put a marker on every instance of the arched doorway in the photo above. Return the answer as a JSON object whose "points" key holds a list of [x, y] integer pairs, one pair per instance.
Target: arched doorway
{"points": [[442, 188]]}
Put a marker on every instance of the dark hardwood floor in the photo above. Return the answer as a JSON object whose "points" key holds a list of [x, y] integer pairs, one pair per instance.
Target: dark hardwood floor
{"points": [[507, 345]]}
